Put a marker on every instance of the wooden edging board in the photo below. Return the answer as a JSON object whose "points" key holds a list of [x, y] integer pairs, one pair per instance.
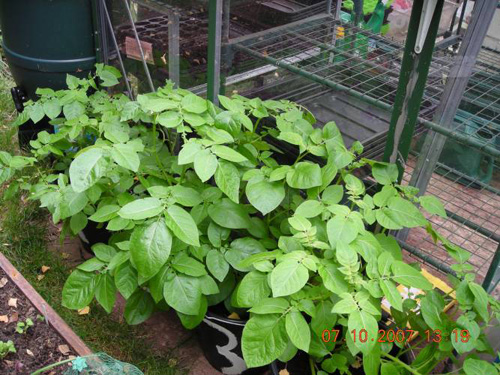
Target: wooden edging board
{"points": [[41, 305]]}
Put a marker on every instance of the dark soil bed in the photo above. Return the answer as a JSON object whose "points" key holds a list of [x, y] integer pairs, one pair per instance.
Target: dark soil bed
{"points": [[39, 346]]}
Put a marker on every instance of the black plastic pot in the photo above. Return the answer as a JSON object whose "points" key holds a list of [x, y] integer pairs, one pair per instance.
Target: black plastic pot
{"points": [[220, 340]]}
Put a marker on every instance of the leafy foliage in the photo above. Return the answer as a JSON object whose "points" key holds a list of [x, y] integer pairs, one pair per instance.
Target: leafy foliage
{"points": [[204, 210]]}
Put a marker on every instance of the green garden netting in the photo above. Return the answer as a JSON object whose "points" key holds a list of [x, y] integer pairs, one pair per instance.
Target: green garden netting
{"points": [[95, 364]]}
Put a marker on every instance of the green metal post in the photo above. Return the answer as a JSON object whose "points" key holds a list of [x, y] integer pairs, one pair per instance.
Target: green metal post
{"points": [[412, 80], [493, 276], [214, 49]]}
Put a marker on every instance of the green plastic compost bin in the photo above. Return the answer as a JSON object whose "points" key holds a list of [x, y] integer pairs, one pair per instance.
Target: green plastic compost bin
{"points": [[43, 40]]}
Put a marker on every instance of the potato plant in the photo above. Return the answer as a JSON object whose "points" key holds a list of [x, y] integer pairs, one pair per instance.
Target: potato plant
{"points": [[205, 209]]}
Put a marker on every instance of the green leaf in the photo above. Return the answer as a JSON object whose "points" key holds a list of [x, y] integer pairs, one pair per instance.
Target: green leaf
{"points": [[392, 294], [479, 367], [125, 155], [105, 213], [298, 330], [105, 292], [346, 305], [87, 169], [183, 293], [78, 290], [78, 222], [385, 174], [150, 247], [71, 202], [188, 266], [91, 265], [409, 276], [405, 213], [264, 195], [52, 108], [252, 289], [141, 209], [323, 318], [299, 223], [480, 300], [264, 339], [467, 327], [217, 265], [73, 110], [182, 225], [188, 153], [126, 279], [186, 196], [371, 361], [361, 320], [217, 234], [157, 282], [309, 208], [104, 252], [305, 175], [192, 321], [241, 249], [228, 214], [229, 154], [139, 307], [433, 205], [227, 179], [332, 194], [169, 119], [194, 104], [431, 306], [389, 369], [117, 224], [270, 306], [205, 164], [288, 277], [340, 229], [333, 279]]}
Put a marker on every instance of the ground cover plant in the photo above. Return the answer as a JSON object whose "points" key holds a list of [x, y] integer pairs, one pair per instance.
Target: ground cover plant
{"points": [[204, 210]]}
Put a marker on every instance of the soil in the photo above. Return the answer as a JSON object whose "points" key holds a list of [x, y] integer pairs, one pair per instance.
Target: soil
{"points": [[39, 346]]}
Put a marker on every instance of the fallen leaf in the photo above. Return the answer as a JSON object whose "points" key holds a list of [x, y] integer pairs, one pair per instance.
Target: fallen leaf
{"points": [[64, 349], [3, 282], [30, 352], [45, 269], [65, 255], [71, 357], [234, 316], [13, 302], [4, 318], [284, 372], [14, 317], [84, 311], [40, 277]]}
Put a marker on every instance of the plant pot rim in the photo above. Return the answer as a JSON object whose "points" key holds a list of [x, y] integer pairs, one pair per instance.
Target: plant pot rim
{"points": [[217, 317]]}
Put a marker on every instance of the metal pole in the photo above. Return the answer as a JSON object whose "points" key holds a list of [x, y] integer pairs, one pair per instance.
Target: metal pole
{"points": [[453, 92], [173, 47], [214, 49], [493, 276], [117, 48], [144, 63], [412, 80]]}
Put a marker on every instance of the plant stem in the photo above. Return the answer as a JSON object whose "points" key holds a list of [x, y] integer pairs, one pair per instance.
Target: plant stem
{"points": [[313, 369], [401, 363], [256, 124], [158, 161]]}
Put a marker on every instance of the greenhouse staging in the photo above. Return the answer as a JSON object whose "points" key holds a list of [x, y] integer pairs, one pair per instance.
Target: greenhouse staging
{"points": [[250, 187]]}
